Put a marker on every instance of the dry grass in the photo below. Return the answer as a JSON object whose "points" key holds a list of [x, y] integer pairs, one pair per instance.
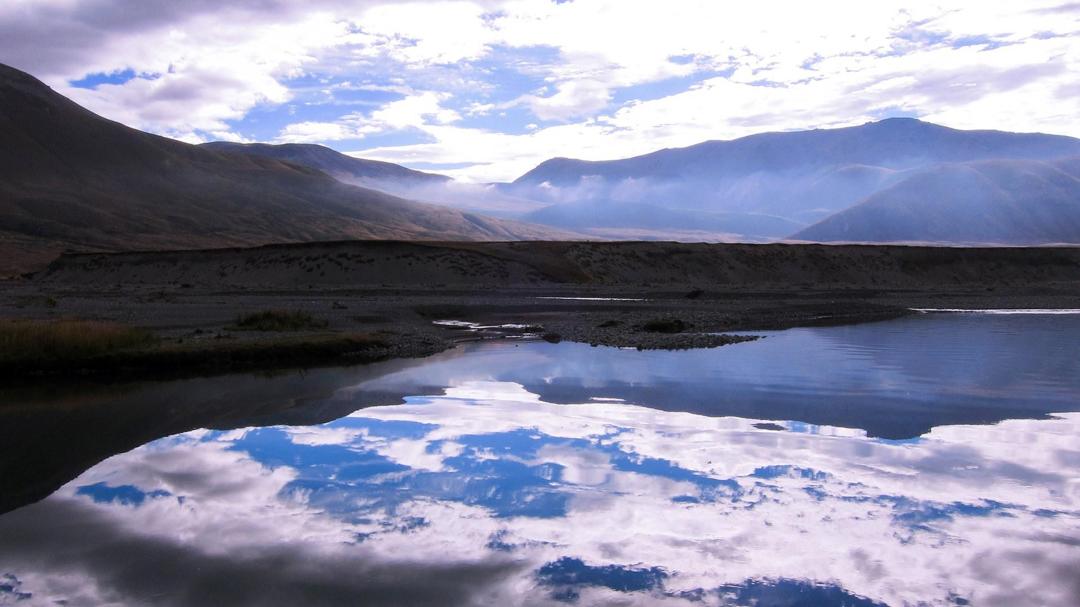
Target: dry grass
{"points": [[279, 320], [59, 340]]}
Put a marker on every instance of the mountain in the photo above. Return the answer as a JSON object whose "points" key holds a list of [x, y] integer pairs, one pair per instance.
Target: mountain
{"points": [[72, 179], [894, 143], [802, 177], [357, 171], [1023, 202]]}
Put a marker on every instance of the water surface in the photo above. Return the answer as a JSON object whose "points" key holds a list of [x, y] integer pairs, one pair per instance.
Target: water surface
{"points": [[913, 462]]}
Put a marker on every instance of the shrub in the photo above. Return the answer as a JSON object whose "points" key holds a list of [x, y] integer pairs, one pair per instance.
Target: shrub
{"points": [[66, 339], [279, 320]]}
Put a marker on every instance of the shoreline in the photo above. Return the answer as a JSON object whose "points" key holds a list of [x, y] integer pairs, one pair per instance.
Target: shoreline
{"points": [[377, 300], [195, 337]]}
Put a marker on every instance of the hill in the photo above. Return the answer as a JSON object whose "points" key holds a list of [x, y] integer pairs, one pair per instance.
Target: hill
{"points": [[1019, 202], [72, 179]]}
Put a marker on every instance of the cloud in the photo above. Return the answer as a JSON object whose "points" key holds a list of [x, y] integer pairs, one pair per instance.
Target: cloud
{"points": [[297, 515], [599, 79], [573, 99], [411, 111]]}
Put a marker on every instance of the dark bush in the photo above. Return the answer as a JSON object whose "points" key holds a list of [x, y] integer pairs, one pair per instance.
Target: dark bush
{"points": [[279, 320], [665, 325]]}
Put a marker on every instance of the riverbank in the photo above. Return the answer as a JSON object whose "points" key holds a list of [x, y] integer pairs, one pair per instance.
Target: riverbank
{"points": [[370, 301]]}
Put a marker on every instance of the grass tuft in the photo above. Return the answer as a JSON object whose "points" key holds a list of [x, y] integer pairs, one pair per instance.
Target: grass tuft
{"points": [[279, 320], [62, 340]]}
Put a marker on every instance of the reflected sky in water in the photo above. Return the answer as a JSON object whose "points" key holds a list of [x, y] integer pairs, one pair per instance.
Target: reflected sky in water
{"points": [[505, 489]]}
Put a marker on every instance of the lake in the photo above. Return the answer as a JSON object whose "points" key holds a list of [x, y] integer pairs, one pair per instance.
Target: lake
{"points": [[930, 460]]}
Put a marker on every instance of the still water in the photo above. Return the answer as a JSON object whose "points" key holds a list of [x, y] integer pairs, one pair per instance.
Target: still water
{"points": [[933, 460]]}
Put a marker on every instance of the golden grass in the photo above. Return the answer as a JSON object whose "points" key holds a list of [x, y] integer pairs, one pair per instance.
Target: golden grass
{"points": [[66, 339]]}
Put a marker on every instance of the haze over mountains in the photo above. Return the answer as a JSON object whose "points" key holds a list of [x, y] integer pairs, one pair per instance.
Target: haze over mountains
{"points": [[897, 180], [1018, 202], [388, 177], [72, 179], [760, 186]]}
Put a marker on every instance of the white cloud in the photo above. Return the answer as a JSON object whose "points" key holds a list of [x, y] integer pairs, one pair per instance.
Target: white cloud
{"points": [[574, 99], [808, 70], [767, 65], [897, 523], [414, 110]]}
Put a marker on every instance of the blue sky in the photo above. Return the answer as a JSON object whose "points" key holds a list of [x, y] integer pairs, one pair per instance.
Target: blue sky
{"points": [[485, 90]]}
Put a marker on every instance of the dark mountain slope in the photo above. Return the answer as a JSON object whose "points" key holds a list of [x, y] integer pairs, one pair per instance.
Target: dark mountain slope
{"points": [[72, 179], [358, 171], [996, 201]]}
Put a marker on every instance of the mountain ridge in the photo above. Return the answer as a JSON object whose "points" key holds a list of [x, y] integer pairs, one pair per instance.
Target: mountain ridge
{"points": [[342, 167], [914, 133], [803, 177]]}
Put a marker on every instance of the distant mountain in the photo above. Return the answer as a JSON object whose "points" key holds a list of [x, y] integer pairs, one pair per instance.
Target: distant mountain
{"points": [[802, 177], [72, 179], [357, 171], [390, 178], [894, 143], [1026, 202]]}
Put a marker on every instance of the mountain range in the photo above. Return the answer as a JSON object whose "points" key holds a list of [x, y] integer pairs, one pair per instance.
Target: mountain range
{"points": [[72, 179], [777, 185]]}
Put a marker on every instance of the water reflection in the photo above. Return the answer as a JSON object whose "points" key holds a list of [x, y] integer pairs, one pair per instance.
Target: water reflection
{"points": [[894, 379], [485, 492]]}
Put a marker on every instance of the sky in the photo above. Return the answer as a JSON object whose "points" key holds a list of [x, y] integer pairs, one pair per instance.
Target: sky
{"points": [[485, 90]]}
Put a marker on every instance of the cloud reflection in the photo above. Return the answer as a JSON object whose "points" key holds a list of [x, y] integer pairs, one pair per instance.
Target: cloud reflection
{"points": [[489, 495]]}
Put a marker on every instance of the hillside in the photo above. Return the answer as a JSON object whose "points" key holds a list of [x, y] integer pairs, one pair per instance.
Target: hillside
{"points": [[72, 179], [1024, 202]]}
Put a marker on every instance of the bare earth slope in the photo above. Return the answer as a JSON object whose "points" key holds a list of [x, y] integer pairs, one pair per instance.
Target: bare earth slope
{"points": [[71, 179]]}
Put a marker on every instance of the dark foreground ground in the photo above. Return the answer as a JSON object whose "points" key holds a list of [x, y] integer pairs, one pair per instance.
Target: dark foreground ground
{"points": [[374, 300]]}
